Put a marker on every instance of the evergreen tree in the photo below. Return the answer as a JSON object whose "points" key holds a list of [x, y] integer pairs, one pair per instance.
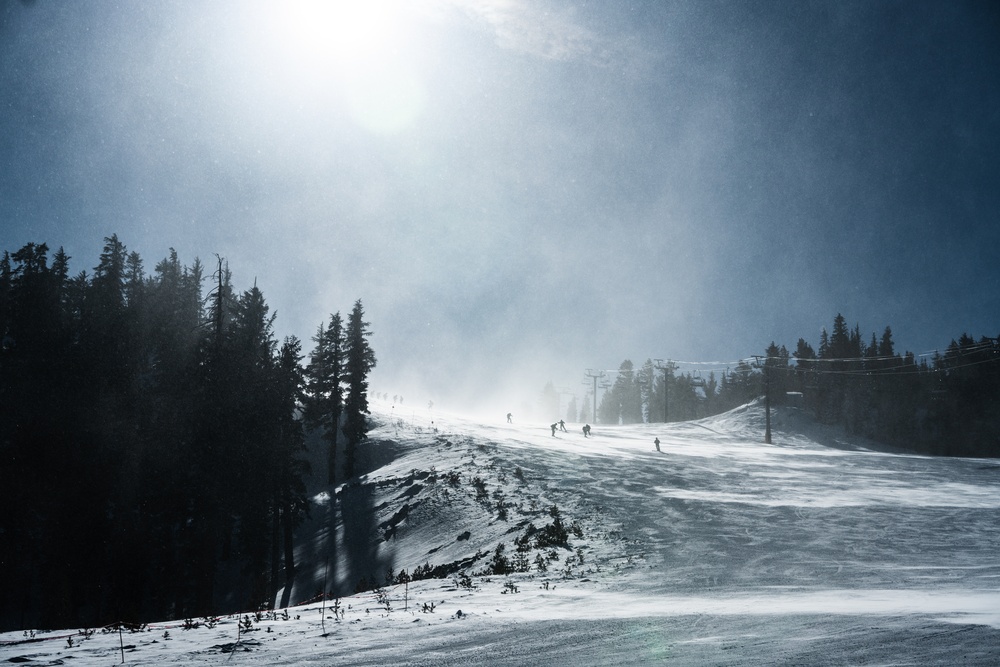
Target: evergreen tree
{"points": [[683, 398], [824, 345], [711, 394], [359, 361], [253, 417], [571, 411], [840, 339], [609, 409], [739, 386], [325, 375], [885, 345], [627, 395], [289, 505], [805, 371], [778, 372], [646, 378], [660, 396], [213, 496]]}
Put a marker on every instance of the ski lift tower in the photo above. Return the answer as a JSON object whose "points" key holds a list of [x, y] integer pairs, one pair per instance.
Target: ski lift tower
{"points": [[595, 375], [666, 367], [767, 396]]}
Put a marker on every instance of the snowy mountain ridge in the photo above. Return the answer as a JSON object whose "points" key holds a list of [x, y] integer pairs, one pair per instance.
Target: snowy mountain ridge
{"points": [[718, 549]]}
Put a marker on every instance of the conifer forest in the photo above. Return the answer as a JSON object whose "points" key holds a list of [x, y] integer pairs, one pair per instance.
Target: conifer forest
{"points": [[152, 432], [945, 403]]}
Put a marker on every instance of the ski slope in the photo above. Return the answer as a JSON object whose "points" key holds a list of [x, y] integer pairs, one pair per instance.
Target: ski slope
{"points": [[717, 550]]}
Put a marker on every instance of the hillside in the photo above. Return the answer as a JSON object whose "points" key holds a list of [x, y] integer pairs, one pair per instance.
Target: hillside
{"points": [[716, 550]]}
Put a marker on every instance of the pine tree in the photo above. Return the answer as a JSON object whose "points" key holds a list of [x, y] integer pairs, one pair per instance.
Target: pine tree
{"points": [[289, 505], [711, 394], [885, 345], [627, 394], [211, 495], [741, 385], [805, 367], [840, 339], [325, 376], [359, 361], [646, 379], [777, 369], [257, 418], [609, 409], [571, 412]]}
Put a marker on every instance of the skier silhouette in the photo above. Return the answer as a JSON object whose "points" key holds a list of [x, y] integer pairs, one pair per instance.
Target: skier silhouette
{"points": [[508, 418], [562, 426], [586, 430], [553, 427], [657, 443]]}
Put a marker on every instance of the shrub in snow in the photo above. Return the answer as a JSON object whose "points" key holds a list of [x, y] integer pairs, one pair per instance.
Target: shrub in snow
{"points": [[422, 572], [524, 542], [554, 534], [500, 564], [246, 625], [541, 563], [480, 486], [382, 597]]}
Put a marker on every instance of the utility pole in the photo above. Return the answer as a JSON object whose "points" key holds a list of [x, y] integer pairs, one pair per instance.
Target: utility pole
{"points": [[767, 398], [596, 375], [665, 367]]}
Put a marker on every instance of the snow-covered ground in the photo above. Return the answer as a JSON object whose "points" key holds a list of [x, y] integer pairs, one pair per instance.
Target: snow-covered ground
{"points": [[717, 550]]}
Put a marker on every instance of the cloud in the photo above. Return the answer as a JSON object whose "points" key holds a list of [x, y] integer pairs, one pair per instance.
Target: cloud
{"points": [[538, 29]]}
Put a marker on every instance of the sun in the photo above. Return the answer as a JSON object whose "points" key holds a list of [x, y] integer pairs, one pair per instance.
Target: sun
{"points": [[349, 36], [359, 48]]}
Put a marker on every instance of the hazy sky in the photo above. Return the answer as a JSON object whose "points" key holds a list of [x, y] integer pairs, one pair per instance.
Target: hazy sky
{"points": [[519, 190]]}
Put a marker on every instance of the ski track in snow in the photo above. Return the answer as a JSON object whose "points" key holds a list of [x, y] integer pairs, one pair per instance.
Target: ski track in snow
{"points": [[717, 550]]}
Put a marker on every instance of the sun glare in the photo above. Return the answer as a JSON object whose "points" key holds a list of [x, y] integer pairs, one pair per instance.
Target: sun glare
{"points": [[342, 34], [358, 47]]}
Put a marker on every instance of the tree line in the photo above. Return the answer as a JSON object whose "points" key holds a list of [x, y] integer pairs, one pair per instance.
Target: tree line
{"points": [[944, 405], [152, 437]]}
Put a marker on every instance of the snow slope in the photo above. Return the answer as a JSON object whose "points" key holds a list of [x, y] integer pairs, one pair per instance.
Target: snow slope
{"points": [[718, 550]]}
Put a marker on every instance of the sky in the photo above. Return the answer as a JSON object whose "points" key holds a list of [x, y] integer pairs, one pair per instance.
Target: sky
{"points": [[521, 190]]}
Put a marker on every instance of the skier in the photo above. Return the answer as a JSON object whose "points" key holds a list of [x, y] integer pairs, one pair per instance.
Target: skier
{"points": [[562, 426], [657, 443], [586, 430], [553, 427], [508, 418]]}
